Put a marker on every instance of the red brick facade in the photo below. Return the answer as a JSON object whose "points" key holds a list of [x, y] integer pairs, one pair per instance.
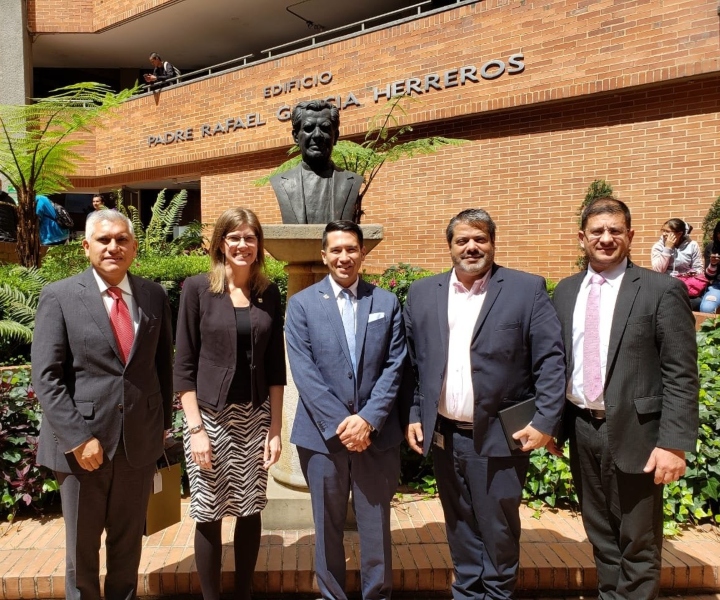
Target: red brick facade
{"points": [[627, 91]]}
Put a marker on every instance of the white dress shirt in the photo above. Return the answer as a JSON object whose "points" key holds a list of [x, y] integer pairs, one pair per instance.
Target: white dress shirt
{"points": [[107, 299], [608, 297], [340, 297], [457, 399]]}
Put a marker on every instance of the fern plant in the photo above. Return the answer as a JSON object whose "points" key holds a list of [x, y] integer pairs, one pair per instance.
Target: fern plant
{"points": [[153, 239], [38, 148], [18, 307], [383, 143]]}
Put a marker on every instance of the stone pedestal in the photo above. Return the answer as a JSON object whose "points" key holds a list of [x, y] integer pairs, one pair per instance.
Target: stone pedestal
{"points": [[299, 246]]}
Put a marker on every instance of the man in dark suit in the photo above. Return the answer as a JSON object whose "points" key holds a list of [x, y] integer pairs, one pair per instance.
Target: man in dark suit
{"points": [[481, 338], [102, 371], [346, 348], [316, 191], [632, 409]]}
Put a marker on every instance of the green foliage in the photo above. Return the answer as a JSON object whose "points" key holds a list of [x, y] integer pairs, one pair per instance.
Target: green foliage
{"points": [[549, 482], [18, 304], [398, 278], [63, 261], [696, 496], [156, 238], [383, 143], [597, 189], [38, 148], [22, 482], [711, 218]]}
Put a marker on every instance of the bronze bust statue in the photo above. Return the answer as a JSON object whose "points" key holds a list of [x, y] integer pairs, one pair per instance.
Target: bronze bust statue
{"points": [[316, 191]]}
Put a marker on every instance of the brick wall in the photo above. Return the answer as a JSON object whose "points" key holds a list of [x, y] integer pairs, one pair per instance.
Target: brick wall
{"points": [[625, 91], [85, 16]]}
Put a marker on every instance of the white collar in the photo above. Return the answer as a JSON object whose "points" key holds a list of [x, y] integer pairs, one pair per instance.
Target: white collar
{"points": [[337, 288], [124, 285], [611, 275]]}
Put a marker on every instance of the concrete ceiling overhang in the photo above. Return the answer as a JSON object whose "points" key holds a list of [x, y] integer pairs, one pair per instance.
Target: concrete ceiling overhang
{"points": [[198, 33]]}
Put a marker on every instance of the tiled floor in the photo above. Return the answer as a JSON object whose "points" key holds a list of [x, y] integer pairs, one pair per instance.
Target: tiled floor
{"points": [[556, 559]]}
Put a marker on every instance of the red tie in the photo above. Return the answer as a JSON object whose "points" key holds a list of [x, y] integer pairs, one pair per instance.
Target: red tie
{"points": [[121, 322]]}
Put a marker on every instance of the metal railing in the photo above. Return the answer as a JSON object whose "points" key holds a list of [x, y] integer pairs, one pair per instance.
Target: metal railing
{"points": [[305, 43], [389, 17], [204, 72]]}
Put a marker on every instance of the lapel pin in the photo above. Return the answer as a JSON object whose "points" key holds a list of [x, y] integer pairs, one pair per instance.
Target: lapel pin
{"points": [[326, 297], [259, 300]]}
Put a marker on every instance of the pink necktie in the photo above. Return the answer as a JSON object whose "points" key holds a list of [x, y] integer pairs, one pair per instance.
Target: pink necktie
{"points": [[121, 323], [592, 376]]}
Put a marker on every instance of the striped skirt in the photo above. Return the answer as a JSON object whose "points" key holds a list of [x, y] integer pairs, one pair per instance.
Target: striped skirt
{"points": [[235, 485]]}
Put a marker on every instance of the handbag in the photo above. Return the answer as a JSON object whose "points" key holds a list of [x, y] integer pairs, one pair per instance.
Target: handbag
{"points": [[694, 282], [164, 505]]}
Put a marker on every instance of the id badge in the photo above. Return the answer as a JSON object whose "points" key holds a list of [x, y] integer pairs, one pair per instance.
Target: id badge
{"points": [[439, 440]]}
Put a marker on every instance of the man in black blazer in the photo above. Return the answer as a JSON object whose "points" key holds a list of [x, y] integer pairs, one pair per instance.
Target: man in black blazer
{"points": [[481, 338], [316, 191], [102, 371], [632, 408]]}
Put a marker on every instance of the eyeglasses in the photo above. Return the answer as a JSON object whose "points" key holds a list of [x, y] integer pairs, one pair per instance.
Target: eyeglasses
{"points": [[234, 240], [596, 234]]}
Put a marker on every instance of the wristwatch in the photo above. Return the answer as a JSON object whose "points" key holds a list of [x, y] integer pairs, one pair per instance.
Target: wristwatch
{"points": [[196, 429]]}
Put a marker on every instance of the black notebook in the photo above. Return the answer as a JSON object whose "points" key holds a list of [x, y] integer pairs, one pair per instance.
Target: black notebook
{"points": [[516, 418]]}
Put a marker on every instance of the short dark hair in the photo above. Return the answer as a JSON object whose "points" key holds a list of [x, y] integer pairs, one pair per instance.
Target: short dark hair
{"points": [[474, 217], [315, 106], [607, 205], [155, 56], [342, 225]]}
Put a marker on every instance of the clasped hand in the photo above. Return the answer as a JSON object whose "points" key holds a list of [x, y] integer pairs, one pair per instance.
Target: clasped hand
{"points": [[354, 433]]}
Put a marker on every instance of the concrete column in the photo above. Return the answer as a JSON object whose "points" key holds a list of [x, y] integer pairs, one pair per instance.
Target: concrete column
{"points": [[15, 53]]}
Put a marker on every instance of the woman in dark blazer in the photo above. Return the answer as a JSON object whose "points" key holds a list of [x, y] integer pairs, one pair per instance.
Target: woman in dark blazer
{"points": [[230, 373]]}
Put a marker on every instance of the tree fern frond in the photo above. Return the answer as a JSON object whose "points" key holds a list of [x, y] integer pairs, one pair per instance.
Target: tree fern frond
{"points": [[10, 330]]}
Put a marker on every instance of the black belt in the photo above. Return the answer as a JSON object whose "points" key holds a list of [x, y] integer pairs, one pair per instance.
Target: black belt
{"points": [[459, 425], [590, 413]]}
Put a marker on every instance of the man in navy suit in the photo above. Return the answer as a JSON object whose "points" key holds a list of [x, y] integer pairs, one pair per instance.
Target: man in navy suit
{"points": [[481, 338], [346, 348]]}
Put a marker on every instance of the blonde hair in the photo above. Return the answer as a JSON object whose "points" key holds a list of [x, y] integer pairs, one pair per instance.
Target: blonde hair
{"points": [[231, 220]]}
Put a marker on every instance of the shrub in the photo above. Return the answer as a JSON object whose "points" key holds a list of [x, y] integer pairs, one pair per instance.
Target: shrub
{"points": [[23, 483], [397, 279]]}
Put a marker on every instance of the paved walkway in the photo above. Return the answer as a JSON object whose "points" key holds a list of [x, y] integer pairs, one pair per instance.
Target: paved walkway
{"points": [[556, 559]]}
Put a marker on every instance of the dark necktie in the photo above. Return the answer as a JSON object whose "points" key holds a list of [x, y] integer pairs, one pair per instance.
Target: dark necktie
{"points": [[121, 323]]}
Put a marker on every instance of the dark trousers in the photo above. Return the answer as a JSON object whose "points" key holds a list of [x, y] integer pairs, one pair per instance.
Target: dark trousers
{"points": [[480, 496], [622, 514], [372, 476], [114, 499]]}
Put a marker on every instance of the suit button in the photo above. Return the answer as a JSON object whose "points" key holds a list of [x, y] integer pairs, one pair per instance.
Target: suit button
{"points": [[349, 374], [120, 407]]}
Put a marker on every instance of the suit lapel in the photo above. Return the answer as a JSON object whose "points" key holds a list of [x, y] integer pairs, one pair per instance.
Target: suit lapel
{"points": [[329, 303], [92, 299], [627, 293], [566, 316], [364, 306], [442, 304], [141, 297], [494, 287], [292, 184], [342, 185]]}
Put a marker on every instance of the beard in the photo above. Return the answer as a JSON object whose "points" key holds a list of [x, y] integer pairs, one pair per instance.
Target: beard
{"points": [[483, 262]]}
